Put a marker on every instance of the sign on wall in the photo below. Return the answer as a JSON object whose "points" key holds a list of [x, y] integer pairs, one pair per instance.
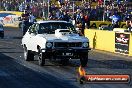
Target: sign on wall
{"points": [[9, 19], [122, 43]]}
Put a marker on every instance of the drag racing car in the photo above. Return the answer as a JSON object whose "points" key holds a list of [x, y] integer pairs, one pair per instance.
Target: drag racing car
{"points": [[55, 40], [1, 31]]}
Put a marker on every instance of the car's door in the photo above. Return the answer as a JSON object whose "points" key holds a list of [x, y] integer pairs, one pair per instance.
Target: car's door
{"points": [[34, 37], [28, 37]]}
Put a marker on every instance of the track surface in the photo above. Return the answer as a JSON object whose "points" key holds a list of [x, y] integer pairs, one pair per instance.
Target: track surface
{"points": [[17, 73]]}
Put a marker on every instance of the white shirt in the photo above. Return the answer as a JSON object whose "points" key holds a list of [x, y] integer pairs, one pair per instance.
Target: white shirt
{"points": [[31, 18]]}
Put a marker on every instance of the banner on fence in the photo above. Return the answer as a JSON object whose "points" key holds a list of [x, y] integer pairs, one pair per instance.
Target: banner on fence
{"points": [[9, 18], [122, 43]]}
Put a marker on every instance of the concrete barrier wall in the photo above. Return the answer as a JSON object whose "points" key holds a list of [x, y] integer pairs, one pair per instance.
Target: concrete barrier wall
{"points": [[13, 12], [97, 24], [130, 47], [102, 40], [105, 40]]}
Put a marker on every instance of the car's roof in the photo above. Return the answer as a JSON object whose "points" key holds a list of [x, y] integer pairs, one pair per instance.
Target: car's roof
{"points": [[50, 21]]}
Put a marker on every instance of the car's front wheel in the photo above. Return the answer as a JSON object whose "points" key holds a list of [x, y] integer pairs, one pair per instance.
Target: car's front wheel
{"points": [[41, 57], [28, 55]]}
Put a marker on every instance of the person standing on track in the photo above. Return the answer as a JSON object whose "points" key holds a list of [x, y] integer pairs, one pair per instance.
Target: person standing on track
{"points": [[32, 19], [82, 21], [25, 21]]}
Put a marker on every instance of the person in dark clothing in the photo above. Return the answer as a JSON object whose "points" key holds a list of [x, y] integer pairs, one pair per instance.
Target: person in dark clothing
{"points": [[77, 17], [87, 20], [25, 16], [128, 24], [82, 21], [65, 16], [127, 19], [25, 22], [25, 26]]}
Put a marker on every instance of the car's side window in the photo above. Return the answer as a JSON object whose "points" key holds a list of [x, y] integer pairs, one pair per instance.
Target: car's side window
{"points": [[32, 29], [37, 28], [44, 28]]}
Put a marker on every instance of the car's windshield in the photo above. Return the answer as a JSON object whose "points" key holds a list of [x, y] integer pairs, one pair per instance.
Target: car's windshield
{"points": [[52, 26]]}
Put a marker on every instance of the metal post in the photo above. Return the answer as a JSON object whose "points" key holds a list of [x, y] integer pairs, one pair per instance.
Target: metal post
{"points": [[0, 5], [73, 7], [48, 10], [43, 10], [104, 12]]}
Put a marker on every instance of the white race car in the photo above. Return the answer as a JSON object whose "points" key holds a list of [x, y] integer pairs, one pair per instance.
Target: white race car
{"points": [[55, 40]]}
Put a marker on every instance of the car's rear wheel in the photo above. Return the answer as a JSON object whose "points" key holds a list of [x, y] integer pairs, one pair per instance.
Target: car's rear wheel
{"points": [[2, 36], [41, 57], [82, 80], [28, 55], [84, 60]]}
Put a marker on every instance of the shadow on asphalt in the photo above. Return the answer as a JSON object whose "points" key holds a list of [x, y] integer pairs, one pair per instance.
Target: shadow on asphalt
{"points": [[72, 63], [16, 37], [11, 52], [112, 64], [8, 37], [7, 48]]}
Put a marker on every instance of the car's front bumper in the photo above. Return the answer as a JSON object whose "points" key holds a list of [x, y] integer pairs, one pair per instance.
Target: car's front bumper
{"points": [[66, 52]]}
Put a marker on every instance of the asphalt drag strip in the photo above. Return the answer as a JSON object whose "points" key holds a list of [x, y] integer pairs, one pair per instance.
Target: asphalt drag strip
{"points": [[15, 72], [14, 75]]}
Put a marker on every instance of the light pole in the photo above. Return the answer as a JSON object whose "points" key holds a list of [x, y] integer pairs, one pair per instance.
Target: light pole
{"points": [[0, 5], [48, 10], [104, 12], [43, 10], [73, 7]]}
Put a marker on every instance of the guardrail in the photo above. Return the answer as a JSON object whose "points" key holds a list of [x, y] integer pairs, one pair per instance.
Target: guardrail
{"points": [[116, 42]]}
